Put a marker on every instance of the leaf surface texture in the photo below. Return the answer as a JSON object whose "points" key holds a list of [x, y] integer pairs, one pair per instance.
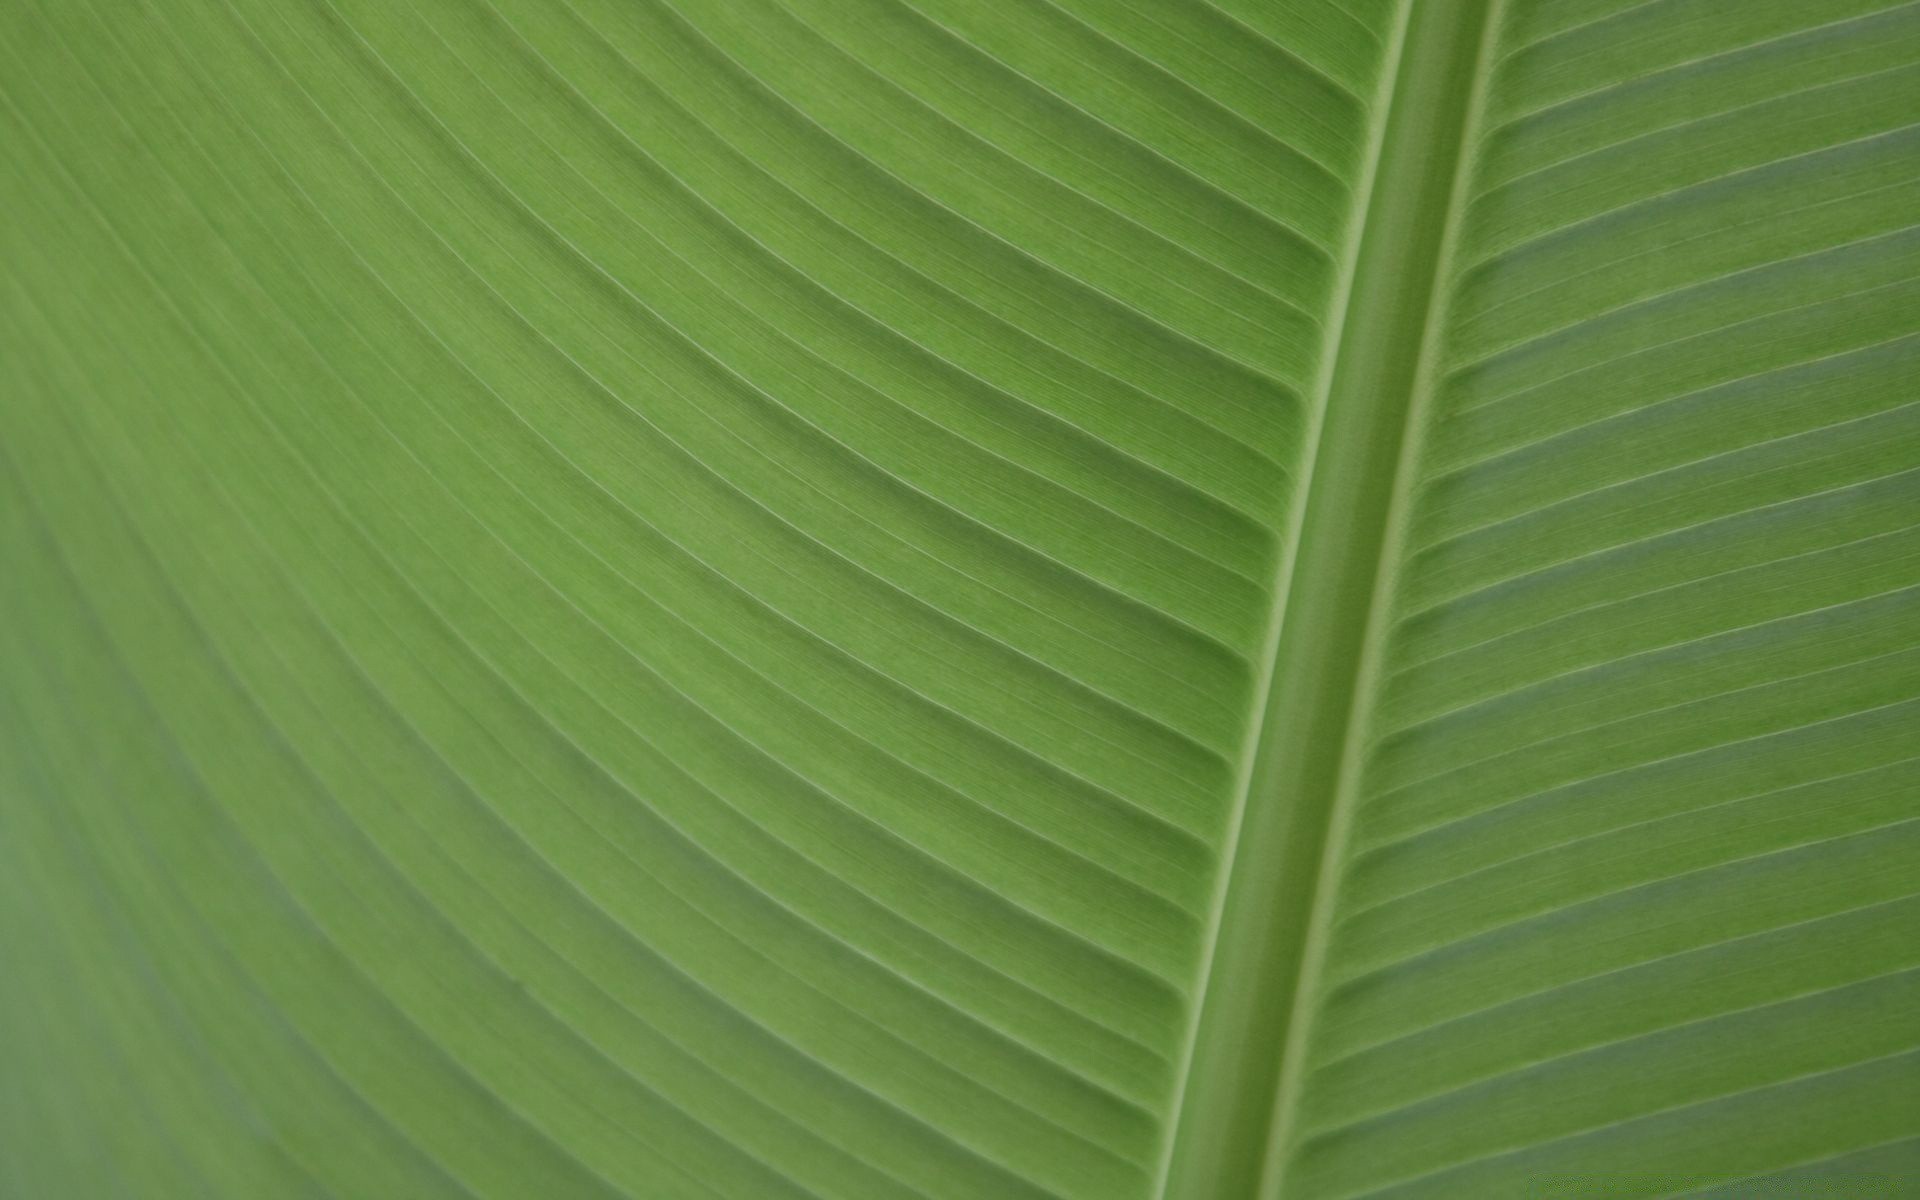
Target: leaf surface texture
{"points": [[1088, 598]]}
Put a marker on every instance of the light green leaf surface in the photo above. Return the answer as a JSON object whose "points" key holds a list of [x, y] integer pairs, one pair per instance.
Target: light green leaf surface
{"points": [[843, 598]]}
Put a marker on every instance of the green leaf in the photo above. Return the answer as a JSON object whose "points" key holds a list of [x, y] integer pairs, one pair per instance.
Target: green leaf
{"points": [[1093, 598]]}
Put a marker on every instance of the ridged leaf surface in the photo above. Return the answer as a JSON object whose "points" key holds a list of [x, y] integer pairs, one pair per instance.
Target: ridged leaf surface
{"points": [[844, 598]]}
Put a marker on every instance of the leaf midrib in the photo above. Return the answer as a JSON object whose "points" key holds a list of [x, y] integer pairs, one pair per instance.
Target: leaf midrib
{"points": [[1232, 1119]]}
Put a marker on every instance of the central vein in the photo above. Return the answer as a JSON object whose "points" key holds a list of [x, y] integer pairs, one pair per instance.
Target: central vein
{"points": [[1234, 1116]]}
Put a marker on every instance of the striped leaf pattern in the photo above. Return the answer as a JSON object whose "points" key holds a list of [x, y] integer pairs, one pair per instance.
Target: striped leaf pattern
{"points": [[932, 598]]}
